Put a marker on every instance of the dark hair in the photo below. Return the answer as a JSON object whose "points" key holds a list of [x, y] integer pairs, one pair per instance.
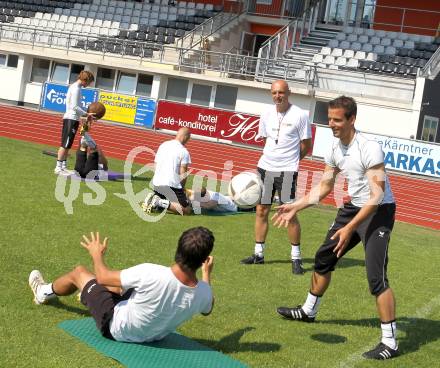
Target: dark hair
{"points": [[346, 103], [194, 247]]}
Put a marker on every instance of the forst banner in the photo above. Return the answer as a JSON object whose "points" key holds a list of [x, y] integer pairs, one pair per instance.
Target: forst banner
{"points": [[208, 122], [54, 97]]}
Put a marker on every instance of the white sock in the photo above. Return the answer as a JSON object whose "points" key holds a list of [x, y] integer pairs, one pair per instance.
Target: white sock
{"points": [[45, 292], [310, 307], [259, 249], [389, 332], [162, 203], [296, 251], [63, 164], [59, 164]]}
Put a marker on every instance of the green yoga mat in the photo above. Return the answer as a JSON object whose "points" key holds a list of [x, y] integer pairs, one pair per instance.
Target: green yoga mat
{"points": [[174, 351]]}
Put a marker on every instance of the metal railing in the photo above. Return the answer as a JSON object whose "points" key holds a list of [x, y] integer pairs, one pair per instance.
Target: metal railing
{"points": [[432, 67], [199, 34], [190, 60], [401, 25], [283, 9], [290, 35], [231, 65]]}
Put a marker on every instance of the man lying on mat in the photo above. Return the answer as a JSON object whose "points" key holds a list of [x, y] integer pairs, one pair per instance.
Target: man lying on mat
{"points": [[141, 303], [209, 200], [89, 157]]}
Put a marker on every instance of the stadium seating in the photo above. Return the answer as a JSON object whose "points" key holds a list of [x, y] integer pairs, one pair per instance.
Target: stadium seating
{"points": [[377, 51], [153, 21]]}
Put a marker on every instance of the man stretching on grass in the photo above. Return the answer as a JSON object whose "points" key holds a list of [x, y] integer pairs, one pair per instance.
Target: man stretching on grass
{"points": [[142, 303], [368, 217]]}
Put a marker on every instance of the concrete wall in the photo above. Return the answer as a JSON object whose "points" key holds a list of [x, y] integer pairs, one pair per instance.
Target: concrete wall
{"points": [[255, 101]]}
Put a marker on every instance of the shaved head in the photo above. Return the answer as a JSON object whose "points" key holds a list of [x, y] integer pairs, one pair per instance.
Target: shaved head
{"points": [[280, 95], [183, 135], [280, 84]]}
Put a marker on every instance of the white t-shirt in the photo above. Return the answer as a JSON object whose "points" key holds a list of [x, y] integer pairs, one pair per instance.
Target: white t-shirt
{"points": [[73, 102], [284, 133], [224, 203], [353, 161], [169, 157], [158, 304]]}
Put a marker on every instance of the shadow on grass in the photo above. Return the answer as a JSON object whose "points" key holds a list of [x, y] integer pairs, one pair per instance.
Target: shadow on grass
{"points": [[418, 331], [343, 263], [329, 338], [231, 343], [56, 303], [140, 178]]}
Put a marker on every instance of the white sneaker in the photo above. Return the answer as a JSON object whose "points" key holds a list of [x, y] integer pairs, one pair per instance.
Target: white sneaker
{"points": [[57, 170], [146, 204], [35, 281], [67, 172]]}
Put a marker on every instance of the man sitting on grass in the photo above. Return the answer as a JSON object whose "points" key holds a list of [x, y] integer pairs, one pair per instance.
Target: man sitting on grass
{"points": [[142, 303]]}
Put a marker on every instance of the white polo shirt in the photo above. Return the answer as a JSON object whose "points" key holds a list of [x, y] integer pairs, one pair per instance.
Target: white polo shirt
{"points": [[73, 102], [284, 133], [158, 304], [169, 157], [353, 161]]}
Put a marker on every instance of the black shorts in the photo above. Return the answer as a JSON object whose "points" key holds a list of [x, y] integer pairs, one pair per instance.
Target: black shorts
{"points": [[176, 195], [86, 163], [374, 233], [70, 128], [282, 182], [101, 303]]}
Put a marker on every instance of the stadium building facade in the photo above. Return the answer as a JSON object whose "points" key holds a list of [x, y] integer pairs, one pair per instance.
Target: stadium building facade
{"points": [[223, 55]]}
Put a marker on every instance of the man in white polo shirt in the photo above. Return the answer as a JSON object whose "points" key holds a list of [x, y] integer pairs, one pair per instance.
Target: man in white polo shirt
{"points": [[142, 303], [367, 218], [171, 167], [287, 133]]}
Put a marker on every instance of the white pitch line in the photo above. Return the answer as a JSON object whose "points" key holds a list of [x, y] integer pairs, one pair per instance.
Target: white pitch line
{"points": [[422, 312]]}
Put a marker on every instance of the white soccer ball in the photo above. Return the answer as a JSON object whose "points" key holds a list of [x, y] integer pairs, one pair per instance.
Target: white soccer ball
{"points": [[245, 189]]}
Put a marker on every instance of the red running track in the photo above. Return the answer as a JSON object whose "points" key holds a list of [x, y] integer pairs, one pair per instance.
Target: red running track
{"points": [[418, 200]]}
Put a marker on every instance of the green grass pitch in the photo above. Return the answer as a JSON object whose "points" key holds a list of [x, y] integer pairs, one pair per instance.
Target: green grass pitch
{"points": [[37, 233]]}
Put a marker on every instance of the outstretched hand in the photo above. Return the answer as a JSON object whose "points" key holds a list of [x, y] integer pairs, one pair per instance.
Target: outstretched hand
{"points": [[94, 245], [284, 214]]}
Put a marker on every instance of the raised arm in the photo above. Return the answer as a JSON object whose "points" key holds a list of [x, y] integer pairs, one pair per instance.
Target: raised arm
{"points": [[206, 276], [96, 249], [287, 211]]}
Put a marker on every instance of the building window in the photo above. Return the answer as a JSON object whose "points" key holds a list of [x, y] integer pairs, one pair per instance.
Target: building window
{"points": [[201, 94], [12, 61], [74, 72], [144, 85], [430, 126], [320, 115], [177, 89], [60, 72], [105, 79], [264, 2], [40, 70], [225, 97], [126, 83]]}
